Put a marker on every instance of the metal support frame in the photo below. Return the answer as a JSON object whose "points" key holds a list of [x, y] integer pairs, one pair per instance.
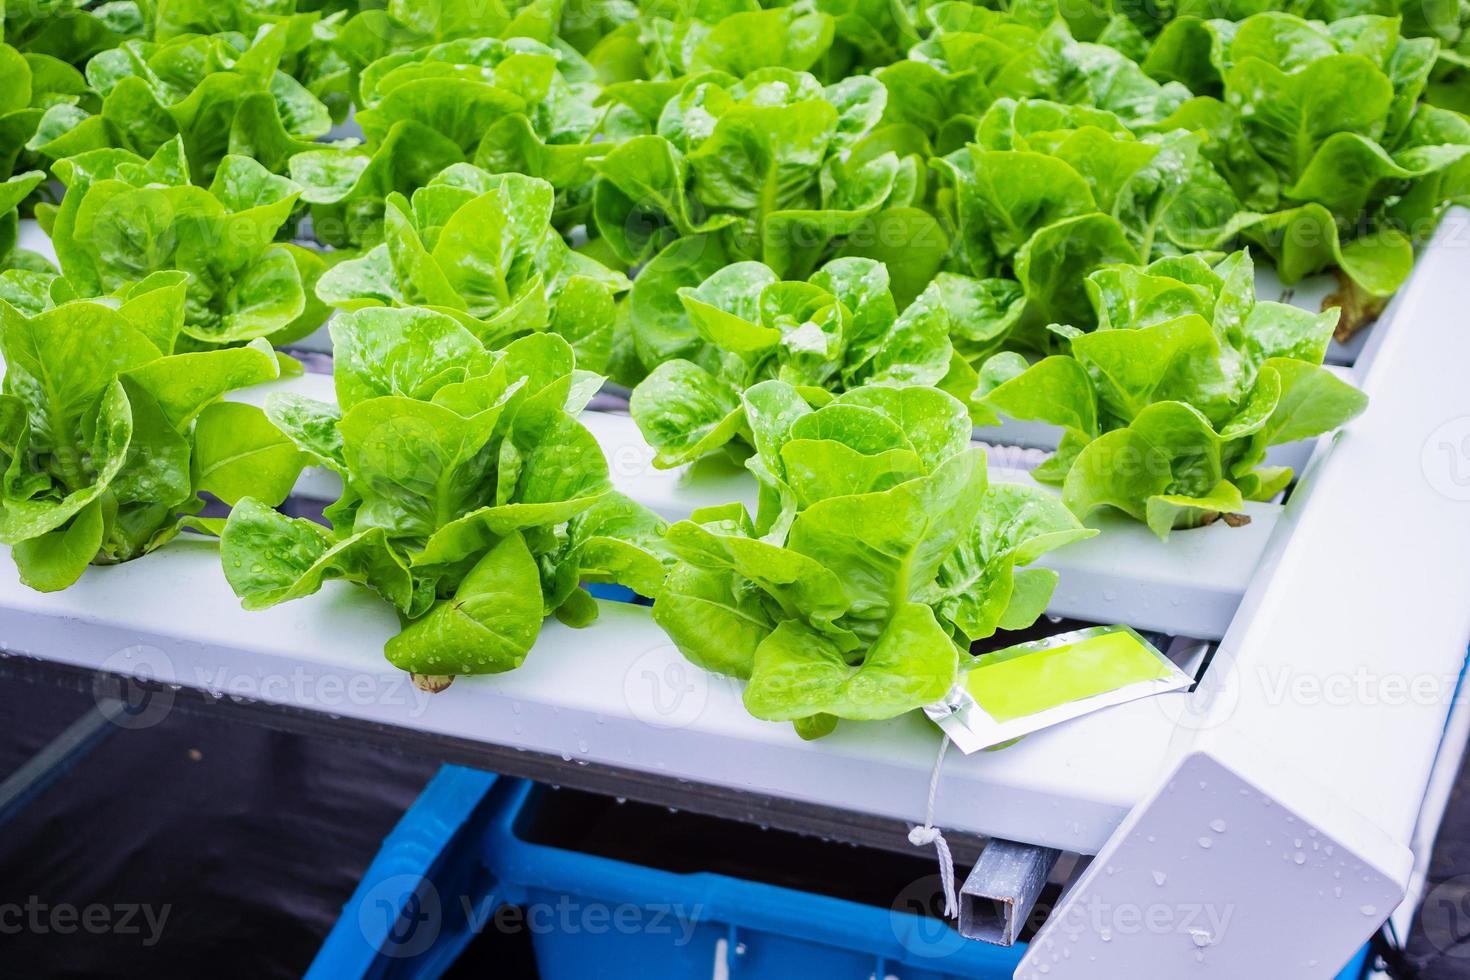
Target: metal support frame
{"points": [[1001, 891]]}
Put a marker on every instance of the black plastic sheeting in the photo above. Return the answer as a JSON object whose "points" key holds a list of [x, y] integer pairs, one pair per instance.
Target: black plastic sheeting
{"points": [[1439, 946], [196, 847]]}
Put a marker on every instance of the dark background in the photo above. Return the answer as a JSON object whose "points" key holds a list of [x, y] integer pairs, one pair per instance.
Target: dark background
{"points": [[255, 838]]}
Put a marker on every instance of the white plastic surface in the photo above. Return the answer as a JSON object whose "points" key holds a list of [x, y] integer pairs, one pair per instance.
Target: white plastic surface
{"points": [[33, 239], [617, 693], [1210, 864], [1331, 690]]}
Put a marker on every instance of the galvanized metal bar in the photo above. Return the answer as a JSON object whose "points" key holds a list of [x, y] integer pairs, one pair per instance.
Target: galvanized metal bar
{"points": [[997, 898]]}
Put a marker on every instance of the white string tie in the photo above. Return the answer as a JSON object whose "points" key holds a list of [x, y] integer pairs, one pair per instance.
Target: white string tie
{"points": [[929, 834]]}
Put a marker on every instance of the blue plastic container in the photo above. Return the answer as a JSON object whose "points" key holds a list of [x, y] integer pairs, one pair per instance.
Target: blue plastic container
{"points": [[594, 918], [597, 918]]}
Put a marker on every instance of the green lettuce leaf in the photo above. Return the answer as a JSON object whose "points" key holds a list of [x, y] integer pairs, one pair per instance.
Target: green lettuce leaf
{"points": [[473, 499], [889, 554], [481, 247], [1168, 408], [104, 434], [124, 219]]}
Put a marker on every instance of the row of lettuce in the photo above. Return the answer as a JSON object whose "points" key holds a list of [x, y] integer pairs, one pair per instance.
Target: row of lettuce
{"points": [[476, 503], [823, 239], [793, 133]]}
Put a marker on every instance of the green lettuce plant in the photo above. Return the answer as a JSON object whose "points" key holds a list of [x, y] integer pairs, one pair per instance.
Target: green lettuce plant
{"points": [[108, 433], [668, 41], [220, 93], [975, 56], [309, 28], [1360, 163], [1048, 192], [70, 30], [473, 500], [123, 218], [832, 39], [513, 105], [773, 167], [880, 554], [1123, 26], [374, 31], [1168, 407], [481, 247], [726, 152], [837, 331], [345, 187], [454, 83], [41, 98]]}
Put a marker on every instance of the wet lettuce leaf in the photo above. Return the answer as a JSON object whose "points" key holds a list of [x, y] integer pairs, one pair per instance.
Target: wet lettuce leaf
{"points": [[1168, 408], [474, 501], [1359, 166], [772, 167], [454, 83], [105, 429], [221, 94], [513, 105], [482, 248], [309, 27], [70, 31], [124, 218], [837, 331], [1049, 192], [879, 554], [43, 101]]}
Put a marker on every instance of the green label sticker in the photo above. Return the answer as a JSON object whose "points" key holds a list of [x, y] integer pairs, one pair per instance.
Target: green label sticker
{"points": [[1034, 677], [1007, 695]]}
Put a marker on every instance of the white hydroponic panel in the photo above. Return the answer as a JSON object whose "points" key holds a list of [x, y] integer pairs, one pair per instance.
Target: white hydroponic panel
{"points": [[1189, 877], [1330, 692], [618, 693], [33, 239]]}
